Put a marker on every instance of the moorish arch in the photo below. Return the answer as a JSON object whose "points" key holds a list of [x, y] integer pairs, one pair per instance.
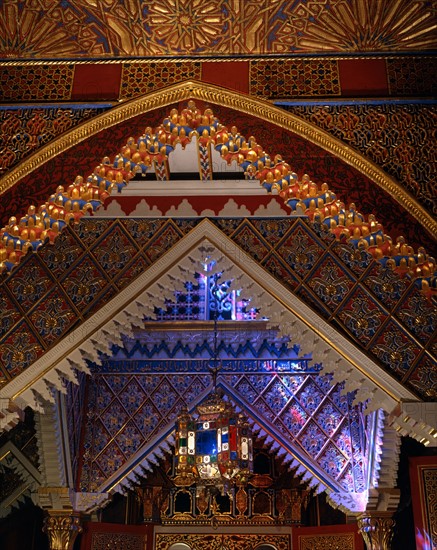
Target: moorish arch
{"points": [[153, 281]]}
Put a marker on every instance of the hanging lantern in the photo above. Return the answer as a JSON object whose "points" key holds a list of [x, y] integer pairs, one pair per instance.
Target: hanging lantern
{"points": [[214, 447]]}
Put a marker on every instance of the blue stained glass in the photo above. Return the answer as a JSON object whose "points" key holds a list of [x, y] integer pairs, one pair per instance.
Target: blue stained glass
{"points": [[233, 455], [206, 442], [225, 438]]}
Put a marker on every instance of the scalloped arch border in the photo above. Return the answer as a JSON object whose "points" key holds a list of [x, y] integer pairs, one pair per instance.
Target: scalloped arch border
{"points": [[220, 96]]}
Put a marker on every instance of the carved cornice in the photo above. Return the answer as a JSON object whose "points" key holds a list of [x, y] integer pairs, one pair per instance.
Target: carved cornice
{"points": [[234, 100]]}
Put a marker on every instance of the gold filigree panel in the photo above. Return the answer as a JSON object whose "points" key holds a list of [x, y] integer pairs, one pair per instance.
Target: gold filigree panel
{"points": [[84, 29], [141, 78], [280, 78], [36, 82], [430, 486], [218, 542], [118, 541], [339, 541], [412, 76]]}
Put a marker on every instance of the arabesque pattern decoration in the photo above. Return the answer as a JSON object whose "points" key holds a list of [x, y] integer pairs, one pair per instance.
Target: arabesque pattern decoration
{"points": [[338, 541], [170, 27], [390, 136], [26, 130], [279, 78], [89, 281], [304, 410], [118, 541], [36, 83], [141, 78]]}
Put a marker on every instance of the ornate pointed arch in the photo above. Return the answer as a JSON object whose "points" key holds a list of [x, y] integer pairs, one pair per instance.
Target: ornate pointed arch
{"points": [[216, 95]]}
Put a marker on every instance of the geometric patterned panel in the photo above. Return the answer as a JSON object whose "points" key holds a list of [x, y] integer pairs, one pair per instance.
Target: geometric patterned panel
{"points": [[314, 417], [126, 412], [75, 421], [281, 78], [385, 315], [130, 403], [212, 541]]}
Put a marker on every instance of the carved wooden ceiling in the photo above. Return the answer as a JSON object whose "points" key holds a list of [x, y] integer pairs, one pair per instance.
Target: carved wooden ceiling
{"points": [[107, 29]]}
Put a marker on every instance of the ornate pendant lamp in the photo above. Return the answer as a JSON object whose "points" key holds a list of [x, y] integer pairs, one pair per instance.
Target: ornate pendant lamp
{"points": [[213, 446]]}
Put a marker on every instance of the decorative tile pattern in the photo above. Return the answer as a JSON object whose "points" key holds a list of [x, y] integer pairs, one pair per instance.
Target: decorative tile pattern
{"points": [[60, 255], [424, 378], [312, 439], [162, 241], [52, 317], [395, 349], [29, 282], [412, 76], [388, 135], [361, 316], [128, 412], [84, 283], [36, 83], [250, 241], [8, 312], [386, 285], [141, 78], [300, 250], [330, 282], [18, 350], [418, 315], [114, 251], [282, 78], [276, 267]]}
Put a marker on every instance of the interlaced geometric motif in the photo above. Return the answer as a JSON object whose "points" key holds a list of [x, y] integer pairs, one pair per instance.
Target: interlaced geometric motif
{"points": [[305, 411], [231, 28], [25, 130], [300, 256], [131, 406], [126, 412], [36, 83], [141, 78], [282, 78]]}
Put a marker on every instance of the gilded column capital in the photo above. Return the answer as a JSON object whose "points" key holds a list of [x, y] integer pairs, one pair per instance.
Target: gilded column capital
{"points": [[376, 529], [62, 528]]}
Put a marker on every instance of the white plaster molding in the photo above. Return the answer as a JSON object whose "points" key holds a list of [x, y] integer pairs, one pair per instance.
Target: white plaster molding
{"points": [[49, 439], [191, 188], [418, 420], [112, 209], [387, 451], [88, 502], [231, 208], [183, 210], [273, 209], [10, 414]]}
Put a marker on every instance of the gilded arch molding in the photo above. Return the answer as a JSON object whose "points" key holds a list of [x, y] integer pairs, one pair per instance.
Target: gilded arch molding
{"points": [[249, 105]]}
